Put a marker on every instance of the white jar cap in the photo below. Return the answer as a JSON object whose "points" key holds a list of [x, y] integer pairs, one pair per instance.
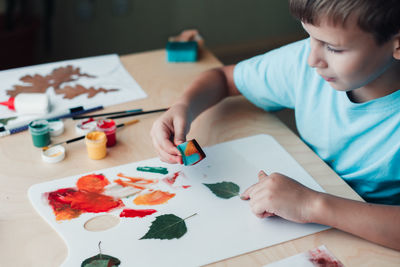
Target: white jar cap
{"points": [[53, 154], [56, 127]]}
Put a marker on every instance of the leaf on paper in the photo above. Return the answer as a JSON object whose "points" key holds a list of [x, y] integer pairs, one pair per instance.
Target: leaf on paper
{"points": [[224, 189], [101, 260], [65, 74], [167, 226], [71, 92], [58, 77]]}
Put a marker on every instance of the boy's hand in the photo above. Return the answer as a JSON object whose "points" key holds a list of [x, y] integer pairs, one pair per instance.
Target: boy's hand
{"points": [[170, 130], [277, 194]]}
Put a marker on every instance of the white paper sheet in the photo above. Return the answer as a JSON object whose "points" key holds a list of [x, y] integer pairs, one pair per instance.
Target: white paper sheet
{"points": [[109, 72], [221, 229]]}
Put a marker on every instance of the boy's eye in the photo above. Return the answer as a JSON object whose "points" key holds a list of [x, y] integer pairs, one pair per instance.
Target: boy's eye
{"points": [[333, 50]]}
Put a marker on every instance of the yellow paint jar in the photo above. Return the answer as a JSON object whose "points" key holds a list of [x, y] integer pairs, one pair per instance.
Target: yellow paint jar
{"points": [[96, 145]]}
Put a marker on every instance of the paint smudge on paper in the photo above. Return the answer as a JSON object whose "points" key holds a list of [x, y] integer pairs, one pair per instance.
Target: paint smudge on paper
{"points": [[161, 170], [131, 213], [61, 208], [136, 182], [69, 203], [92, 183], [322, 257], [154, 198], [171, 179], [118, 191]]}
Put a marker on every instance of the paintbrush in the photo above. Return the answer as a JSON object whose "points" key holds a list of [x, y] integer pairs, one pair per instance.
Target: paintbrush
{"points": [[137, 113], [83, 136], [108, 114]]}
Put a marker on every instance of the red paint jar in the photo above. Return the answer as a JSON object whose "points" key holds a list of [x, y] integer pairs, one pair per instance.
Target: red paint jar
{"points": [[109, 128]]}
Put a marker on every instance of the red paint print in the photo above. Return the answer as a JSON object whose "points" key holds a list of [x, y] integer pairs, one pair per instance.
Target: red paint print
{"points": [[131, 213], [69, 203], [92, 183], [171, 179], [186, 186], [93, 202], [61, 208], [322, 258]]}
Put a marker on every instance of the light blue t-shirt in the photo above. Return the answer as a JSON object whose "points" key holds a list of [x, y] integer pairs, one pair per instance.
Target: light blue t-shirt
{"points": [[360, 141]]}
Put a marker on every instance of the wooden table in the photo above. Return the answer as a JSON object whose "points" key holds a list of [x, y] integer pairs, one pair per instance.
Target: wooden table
{"points": [[27, 240]]}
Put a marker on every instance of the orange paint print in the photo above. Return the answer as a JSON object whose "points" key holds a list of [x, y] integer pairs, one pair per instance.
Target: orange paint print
{"points": [[92, 183], [154, 198], [136, 182], [93, 202]]}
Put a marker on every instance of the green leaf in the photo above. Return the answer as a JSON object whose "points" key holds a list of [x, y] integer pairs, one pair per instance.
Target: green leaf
{"points": [[167, 226], [101, 260], [224, 189]]}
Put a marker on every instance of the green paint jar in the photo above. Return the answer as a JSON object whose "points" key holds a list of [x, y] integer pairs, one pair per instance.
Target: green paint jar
{"points": [[39, 130]]}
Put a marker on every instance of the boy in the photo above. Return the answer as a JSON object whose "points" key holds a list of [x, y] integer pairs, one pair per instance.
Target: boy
{"points": [[343, 83]]}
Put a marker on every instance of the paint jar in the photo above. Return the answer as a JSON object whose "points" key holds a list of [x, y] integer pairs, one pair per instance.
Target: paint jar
{"points": [[39, 130], [109, 128], [86, 126], [96, 145]]}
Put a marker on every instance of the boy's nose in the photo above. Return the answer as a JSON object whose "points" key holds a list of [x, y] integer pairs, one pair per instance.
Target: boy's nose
{"points": [[315, 60]]}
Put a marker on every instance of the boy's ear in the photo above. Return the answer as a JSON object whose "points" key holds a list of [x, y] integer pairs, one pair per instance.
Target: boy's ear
{"points": [[396, 48]]}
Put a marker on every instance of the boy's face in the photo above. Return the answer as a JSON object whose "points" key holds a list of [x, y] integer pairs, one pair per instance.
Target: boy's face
{"points": [[347, 57]]}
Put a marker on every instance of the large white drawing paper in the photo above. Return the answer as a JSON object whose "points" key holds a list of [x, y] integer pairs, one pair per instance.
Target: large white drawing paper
{"points": [[105, 72], [221, 229]]}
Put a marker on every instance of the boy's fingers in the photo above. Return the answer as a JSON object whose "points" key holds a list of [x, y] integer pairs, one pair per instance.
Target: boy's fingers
{"points": [[179, 135], [262, 175], [173, 159], [246, 194]]}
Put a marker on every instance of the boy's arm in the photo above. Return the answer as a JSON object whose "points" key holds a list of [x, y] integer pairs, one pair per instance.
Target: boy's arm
{"points": [[208, 89], [277, 194], [170, 129], [377, 223]]}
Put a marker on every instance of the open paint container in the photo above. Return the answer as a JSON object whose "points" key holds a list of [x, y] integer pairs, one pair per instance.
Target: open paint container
{"points": [[53, 154]]}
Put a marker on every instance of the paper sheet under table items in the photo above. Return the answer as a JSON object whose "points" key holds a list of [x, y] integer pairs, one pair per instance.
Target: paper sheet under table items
{"points": [[217, 226], [94, 81], [318, 257]]}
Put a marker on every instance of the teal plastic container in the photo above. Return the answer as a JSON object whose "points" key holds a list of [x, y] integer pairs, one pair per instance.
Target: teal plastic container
{"points": [[182, 51], [39, 130]]}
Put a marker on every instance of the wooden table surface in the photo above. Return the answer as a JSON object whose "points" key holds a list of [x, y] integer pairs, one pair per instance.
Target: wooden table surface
{"points": [[27, 240]]}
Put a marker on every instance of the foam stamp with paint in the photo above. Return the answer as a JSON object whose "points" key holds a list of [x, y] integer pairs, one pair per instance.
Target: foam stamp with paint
{"points": [[191, 152]]}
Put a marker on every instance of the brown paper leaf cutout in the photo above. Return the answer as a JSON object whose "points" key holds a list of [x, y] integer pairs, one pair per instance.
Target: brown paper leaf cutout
{"points": [[39, 84], [65, 74], [35, 84], [71, 92]]}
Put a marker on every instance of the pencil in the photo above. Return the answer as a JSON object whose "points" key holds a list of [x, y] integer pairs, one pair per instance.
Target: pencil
{"points": [[137, 113], [107, 114], [83, 136]]}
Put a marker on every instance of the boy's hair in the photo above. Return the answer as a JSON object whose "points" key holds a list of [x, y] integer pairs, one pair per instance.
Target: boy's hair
{"points": [[381, 18]]}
